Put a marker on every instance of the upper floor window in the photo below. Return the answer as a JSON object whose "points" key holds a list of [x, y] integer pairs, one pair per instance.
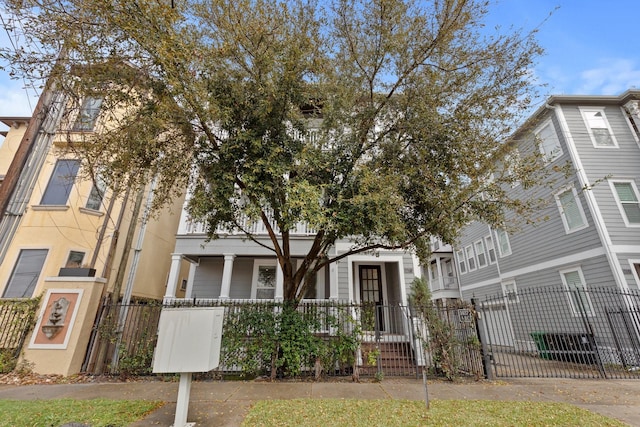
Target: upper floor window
{"points": [[88, 114], [598, 127], [25, 274], [471, 258], [571, 210], [480, 254], [626, 195], [461, 262], [491, 250], [549, 142], [61, 182], [504, 246], [97, 194]]}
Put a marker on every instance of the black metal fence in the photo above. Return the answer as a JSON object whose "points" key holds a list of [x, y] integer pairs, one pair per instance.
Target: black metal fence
{"points": [[555, 332], [345, 339], [16, 320]]}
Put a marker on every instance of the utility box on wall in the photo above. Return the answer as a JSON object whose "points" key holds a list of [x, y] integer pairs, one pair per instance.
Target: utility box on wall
{"points": [[188, 339]]}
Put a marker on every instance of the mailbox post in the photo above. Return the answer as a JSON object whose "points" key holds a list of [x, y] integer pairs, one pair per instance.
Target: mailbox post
{"points": [[188, 341]]}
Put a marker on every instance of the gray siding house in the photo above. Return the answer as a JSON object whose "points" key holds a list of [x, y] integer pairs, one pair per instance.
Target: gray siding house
{"points": [[591, 233], [589, 238]]}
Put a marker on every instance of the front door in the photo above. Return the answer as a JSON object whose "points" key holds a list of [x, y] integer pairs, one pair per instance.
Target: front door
{"points": [[371, 295]]}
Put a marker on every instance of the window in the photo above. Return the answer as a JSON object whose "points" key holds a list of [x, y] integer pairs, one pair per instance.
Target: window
{"points": [[461, 264], [549, 142], [512, 161], [571, 210], [598, 127], [183, 285], [503, 243], [25, 274], [61, 182], [510, 291], [577, 290], [482, 259], [635, 270], [74, 260], [491, 250], [471, 259], [626, 195], [88, 114], [264, 280], [433, 271], [97, 193]]}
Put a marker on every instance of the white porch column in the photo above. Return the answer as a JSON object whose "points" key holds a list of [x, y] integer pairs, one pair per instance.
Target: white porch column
{"points": [[440, 275], [226, 276], [333, 281], [174, 275], [192, 274], [279, 295]]}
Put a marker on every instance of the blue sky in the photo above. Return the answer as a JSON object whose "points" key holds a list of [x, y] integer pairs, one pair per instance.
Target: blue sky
{"points": [[592, 47]]}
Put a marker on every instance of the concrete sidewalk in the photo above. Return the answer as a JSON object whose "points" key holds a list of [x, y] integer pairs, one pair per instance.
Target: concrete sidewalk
{"points": [[226, 403]]}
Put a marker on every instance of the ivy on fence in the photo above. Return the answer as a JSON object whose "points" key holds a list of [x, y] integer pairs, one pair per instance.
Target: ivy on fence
{"points": [[17, 318], [281, 341]]}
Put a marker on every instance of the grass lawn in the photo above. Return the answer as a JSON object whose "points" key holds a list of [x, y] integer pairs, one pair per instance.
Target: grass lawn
{"points": [[95, 412], [355, 413]]}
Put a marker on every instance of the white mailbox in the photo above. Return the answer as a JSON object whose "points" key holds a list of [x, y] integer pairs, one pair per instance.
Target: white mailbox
{"points": [[188, 339]]}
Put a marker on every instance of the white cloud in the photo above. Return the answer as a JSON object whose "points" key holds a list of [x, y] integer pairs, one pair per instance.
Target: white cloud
{"points": [[14, 101], [606, 77], [613, 77]]}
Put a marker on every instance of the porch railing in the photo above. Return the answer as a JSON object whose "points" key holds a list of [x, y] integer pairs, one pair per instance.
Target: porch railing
{"points": [[250, 225]]}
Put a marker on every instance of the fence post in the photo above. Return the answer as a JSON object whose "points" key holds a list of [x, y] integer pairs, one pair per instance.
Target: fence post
{"points": [[484, 351]]}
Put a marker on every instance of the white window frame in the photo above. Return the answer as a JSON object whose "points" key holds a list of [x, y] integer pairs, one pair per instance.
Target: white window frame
{"points": [[510, 291], [488, 241], [563, 215], [634, 188], [590, 312], [549, 157], [480, 244], [500, 251], [634, 272], [586, 110], [511, 158], [462, 262], [470, 255], [256, 274]]}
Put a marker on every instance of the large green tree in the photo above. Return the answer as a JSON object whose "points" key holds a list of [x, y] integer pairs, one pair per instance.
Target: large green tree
{"points": [[381, 122]]}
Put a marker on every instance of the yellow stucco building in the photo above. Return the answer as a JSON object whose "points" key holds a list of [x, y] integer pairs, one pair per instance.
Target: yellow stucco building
{"points": [[63, 237]]}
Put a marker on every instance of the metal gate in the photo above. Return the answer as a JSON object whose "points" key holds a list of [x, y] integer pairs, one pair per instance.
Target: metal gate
{"points": [[554, 332]]}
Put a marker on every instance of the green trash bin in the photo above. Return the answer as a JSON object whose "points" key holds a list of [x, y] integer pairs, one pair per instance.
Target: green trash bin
{"points": [[541, 344]]}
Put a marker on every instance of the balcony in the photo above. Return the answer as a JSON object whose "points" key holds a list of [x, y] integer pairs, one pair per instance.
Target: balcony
{"points": [[189, 227], [444, 283]]}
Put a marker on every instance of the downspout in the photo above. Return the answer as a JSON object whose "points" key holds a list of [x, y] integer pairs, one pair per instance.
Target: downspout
{"points": [[126, 298], [598, 220]]}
